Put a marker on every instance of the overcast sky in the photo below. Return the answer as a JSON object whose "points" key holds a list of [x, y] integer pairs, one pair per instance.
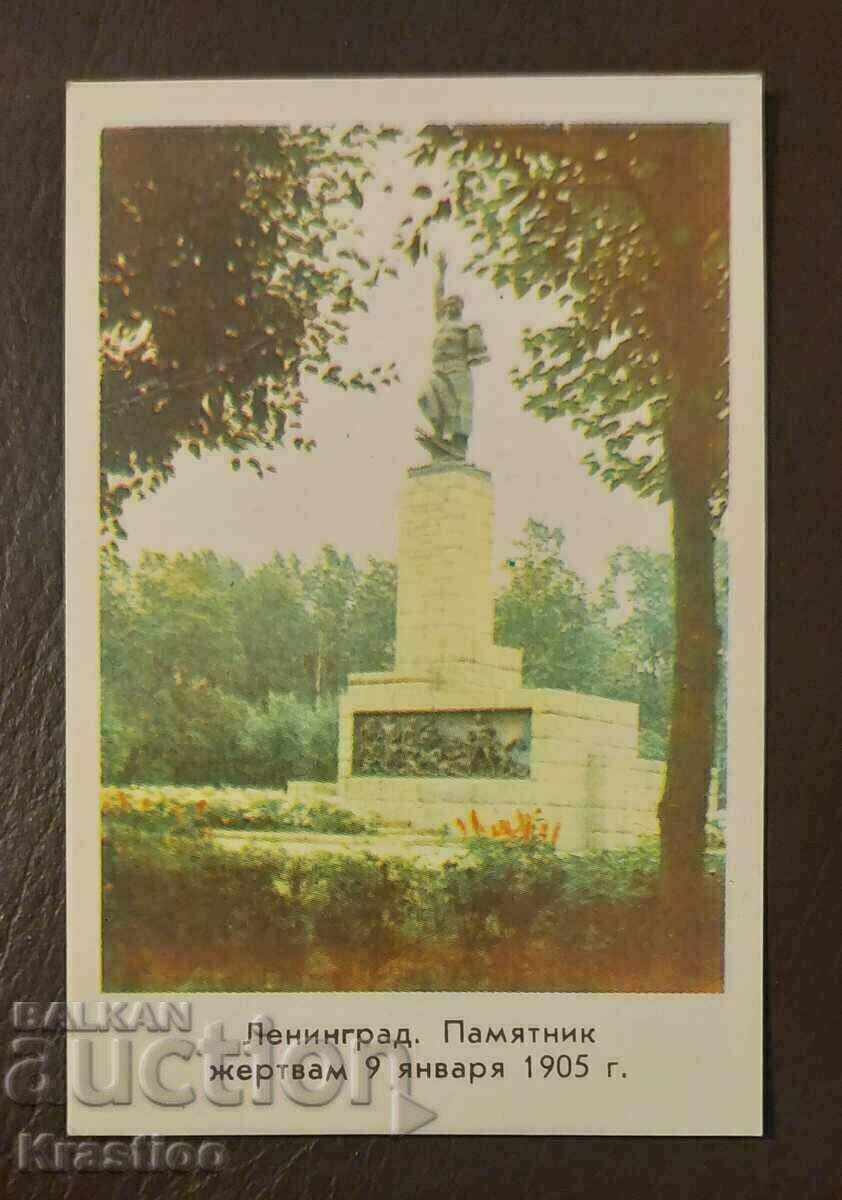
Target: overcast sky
{"points": [[345, 490]]}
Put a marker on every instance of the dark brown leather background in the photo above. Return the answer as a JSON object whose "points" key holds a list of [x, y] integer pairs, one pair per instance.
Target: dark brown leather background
{"points": [[796, 45]]}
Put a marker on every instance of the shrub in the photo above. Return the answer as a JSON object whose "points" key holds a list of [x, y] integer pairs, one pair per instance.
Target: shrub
{"points": [[608, 876], [285, 738], [503, 887], [508, 913], [357, 903], [322, 741], [178, 908], [322, 817], [194, 734]]}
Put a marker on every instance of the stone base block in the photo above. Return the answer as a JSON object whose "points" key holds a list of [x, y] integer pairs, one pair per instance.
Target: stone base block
{"points": [[552, 730], [576, 704], [623, 820], [427, 804]]}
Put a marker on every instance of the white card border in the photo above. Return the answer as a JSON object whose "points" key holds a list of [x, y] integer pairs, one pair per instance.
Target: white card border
{"points": [[716, 1038]]}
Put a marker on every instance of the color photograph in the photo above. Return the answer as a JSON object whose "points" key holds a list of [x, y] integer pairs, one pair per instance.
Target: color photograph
{"points": [[414, 557]]}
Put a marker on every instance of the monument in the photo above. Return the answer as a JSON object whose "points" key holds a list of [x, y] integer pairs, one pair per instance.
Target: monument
{"points": [[452, 727]]}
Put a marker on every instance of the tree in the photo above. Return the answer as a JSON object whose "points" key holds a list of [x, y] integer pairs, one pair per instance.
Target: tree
{"points": [[372, 630], [171, 668], [275, 739], [627, 228], [186, 619], [190, 733], [544, 611], [279, 640], [637, 601], [275, 629], [330, 586], [228, 266]]}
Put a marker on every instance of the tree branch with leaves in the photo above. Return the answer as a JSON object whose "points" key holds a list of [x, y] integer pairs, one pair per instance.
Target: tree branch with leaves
{"points": [[229, 264]]}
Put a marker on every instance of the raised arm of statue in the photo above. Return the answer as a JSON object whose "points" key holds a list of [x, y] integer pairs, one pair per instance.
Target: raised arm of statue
{"points": [[447, 398]]}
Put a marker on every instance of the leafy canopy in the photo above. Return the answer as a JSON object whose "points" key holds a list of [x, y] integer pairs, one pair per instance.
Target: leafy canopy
{"points": [[229, 265]]}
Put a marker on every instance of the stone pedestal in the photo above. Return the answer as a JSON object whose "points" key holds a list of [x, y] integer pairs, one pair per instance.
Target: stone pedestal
{"points": [[445, 620]]}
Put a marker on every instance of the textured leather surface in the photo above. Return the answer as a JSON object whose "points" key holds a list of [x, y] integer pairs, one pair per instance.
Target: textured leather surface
{"points": [[42, 44]]}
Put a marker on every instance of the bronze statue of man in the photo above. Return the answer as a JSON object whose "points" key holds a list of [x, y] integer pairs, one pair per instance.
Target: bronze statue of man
{"points": [[447, 399]]}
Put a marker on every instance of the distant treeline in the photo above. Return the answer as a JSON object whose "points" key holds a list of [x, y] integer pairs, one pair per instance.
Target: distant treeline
{"points": [[215, 674]]}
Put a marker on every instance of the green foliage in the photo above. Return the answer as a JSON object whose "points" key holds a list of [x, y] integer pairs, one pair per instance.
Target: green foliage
{"points": [[503, 888], [508, 915], [302, 629], [358, 904], [545, 610], [613, 876], [652, 744], [211, 674], [324, 817], [331, 586], [276, 740], [637, 600], [191, 910], [620, 644], [372, 631], [322, 741], [191, 733], [228, 269], [274, 629]]}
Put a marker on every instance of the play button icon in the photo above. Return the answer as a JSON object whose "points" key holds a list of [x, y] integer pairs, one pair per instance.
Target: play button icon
{"points": [[407, 1115]]}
